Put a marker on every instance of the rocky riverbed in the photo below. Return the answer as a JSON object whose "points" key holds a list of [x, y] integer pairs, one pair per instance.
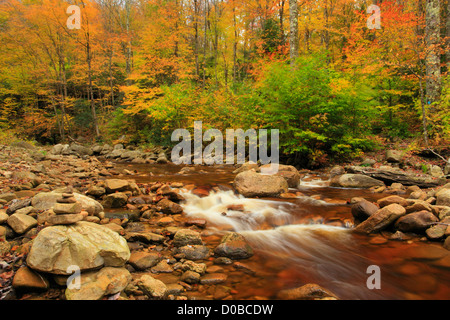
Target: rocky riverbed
{"points": [[132, 233]]}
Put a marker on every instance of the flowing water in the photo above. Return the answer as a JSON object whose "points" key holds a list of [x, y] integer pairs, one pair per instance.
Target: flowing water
{"points": [[307, 239]]}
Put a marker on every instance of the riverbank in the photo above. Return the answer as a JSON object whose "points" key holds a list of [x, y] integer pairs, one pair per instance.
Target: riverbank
{"points": [[190, 235]]}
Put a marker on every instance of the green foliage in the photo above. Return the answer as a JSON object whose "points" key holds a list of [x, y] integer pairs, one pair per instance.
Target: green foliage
{"points": [[317, 110], [442, 117], [424, 168]]}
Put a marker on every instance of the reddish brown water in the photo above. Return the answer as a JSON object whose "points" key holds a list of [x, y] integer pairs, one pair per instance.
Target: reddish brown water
{"points": [[308, 240]]}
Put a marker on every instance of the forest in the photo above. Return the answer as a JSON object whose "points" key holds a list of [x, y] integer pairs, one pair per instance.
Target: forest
{"points": [[335, 77]]}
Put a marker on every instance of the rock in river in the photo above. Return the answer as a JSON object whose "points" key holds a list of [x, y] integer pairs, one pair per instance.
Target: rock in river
{"points": [[350, 180], [234, 246], [252, 184], [381, 219]]}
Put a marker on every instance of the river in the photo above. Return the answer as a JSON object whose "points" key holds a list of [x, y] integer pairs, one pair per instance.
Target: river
{"points": [[307, 239]]}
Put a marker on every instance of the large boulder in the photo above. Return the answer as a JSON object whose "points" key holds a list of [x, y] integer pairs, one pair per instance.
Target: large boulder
{"points": [[289, 173], [95, 285], [363, 209], [381, 219], [84, 244], [351, 180], [416, 221], [252, 184], [234, 246], [47, 200]]}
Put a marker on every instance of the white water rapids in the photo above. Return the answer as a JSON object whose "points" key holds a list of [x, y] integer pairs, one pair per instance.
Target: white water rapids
{"points": [[325, 252]]}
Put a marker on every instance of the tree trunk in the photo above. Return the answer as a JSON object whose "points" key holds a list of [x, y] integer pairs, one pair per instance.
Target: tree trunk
{"points": [[111, 82], [234, 43], [196, 10], [447, 55], [433, 61], [293, 33]]}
